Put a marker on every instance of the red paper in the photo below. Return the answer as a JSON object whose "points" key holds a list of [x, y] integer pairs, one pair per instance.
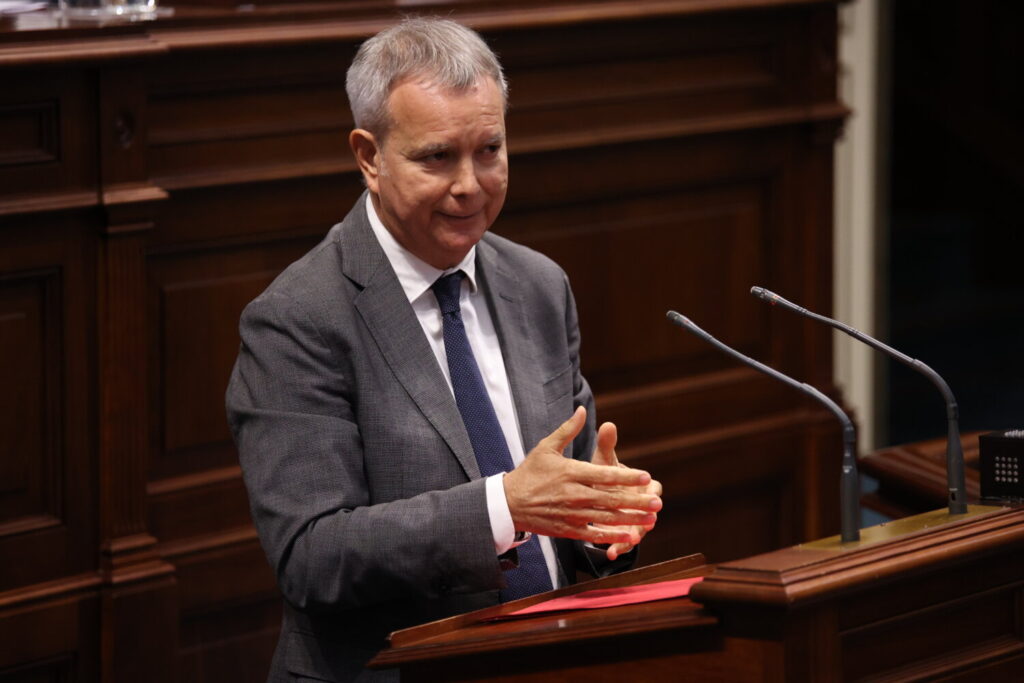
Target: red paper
{"points": [[612, 597]]}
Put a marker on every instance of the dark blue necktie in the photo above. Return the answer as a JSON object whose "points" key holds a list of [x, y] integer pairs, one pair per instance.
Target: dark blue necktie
{"points": [[531, 577]]}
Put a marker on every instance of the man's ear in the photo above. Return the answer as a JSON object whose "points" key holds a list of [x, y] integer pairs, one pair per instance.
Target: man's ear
{"points": [[367, 154]]}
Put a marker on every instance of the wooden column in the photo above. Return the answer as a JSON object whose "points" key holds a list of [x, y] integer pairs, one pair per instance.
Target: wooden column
{"points": [[138, 585]]}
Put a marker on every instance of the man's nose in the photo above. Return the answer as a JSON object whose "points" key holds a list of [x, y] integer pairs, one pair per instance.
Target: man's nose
{"points": [[465, 181]]}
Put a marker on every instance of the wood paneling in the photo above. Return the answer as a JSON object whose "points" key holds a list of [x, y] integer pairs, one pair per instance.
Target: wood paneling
{"points": [[47, 138], [29, 133], [55, 641], [30, 435], [155, 177], [46, 492]]}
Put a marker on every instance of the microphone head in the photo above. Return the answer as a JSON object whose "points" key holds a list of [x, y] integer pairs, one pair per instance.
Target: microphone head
{"points": [[678, 319], [763, 294]]}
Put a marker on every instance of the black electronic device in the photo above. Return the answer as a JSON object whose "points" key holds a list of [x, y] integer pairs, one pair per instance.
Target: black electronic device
{"points": [[1002, 465]]}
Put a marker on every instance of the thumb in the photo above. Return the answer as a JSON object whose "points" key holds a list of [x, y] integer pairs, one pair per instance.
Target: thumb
{"points": [[566, 432], [607, 438]]}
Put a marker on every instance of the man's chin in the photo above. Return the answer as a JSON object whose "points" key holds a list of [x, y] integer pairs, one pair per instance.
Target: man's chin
{"points": [[463, 231]]}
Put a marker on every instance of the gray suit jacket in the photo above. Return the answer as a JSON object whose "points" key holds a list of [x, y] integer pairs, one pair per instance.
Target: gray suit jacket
{"points": [[361, 478]]}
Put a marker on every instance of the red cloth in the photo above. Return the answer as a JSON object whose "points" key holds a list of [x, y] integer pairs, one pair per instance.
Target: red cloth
{"points": [[612, 597]]}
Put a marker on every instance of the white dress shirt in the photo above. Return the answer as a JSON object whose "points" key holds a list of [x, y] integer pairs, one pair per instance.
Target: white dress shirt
{"points": [[416, 276]]}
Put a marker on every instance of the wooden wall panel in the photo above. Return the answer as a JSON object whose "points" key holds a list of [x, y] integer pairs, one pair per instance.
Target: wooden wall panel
{"points": [[47, 140], [51, 641], [249, 210], [197, 301], [242, 117], [230, 644], [29, 133], [196, 298], [30, 491], [46, 493]]}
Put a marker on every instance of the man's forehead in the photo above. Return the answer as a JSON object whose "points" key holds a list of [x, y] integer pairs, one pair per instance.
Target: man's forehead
{"points": [[426, 111], [430, 81], [412, 91]]}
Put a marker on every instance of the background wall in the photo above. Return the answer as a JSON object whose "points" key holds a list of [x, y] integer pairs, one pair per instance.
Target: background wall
{"points": [[927, 178]]}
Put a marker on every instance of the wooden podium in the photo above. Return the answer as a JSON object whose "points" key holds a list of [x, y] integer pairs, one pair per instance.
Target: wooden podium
{"points": [[930, 597]]}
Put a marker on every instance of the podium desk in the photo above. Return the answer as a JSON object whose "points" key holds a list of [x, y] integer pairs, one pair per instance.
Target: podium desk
{"points": [[912, 477], [925, 598]]}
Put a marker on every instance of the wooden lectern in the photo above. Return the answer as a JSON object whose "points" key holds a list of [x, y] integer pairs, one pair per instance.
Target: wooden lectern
{"points": [[931, 597]]}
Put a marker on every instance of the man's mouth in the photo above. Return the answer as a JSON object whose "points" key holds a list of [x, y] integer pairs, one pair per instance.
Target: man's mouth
{"points": [[459, 217]]}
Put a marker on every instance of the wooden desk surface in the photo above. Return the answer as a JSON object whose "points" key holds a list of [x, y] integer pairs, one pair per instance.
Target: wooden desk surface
{"points": [[912, 477]]}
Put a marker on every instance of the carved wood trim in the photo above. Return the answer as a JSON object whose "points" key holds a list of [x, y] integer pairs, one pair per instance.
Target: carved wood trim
{"points": [[529, 144], [68, 586], [801, 575], [481, 16], [174, 550], [312, 124], [45, 117], [122, 392], [59, 52], [187, 482], [57, 201], [724, 123], [257, 174], [27, 524]]}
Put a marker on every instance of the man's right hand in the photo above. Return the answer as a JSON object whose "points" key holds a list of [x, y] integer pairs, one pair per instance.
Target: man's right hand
{"points": [[552, 495]]}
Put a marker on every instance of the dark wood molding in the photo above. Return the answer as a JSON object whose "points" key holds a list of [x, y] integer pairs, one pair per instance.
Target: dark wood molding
{"points": [[47, 203], [58, 52], [60, 588]]}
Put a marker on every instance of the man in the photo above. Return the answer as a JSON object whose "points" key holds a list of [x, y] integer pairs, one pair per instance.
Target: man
{"points": [[390, 381]]}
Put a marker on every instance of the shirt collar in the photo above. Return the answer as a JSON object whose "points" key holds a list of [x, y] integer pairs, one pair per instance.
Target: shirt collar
{"points": [[414, 274]]}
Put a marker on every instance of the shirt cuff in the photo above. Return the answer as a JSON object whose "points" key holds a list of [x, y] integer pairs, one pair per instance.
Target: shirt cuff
{"points": [[497, 510]]}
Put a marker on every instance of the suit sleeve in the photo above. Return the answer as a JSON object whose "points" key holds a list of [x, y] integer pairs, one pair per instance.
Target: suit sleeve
{"points": [[292, 413]]}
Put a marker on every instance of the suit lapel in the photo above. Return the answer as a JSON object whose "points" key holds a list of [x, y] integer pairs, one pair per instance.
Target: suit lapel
{"points": [[384, 309], [508, 311]]}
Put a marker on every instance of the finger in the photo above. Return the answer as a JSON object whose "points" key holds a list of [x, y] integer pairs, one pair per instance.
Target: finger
{"points": [[582, 497], [597, 475], [600, 535], [566, 432], [622, 500], [614, 498], [607, 438], [636, 534], [616, 549], [615, 518]]}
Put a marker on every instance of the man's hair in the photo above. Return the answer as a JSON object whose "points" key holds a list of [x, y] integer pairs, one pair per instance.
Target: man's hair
{"points": [[447, 54]]}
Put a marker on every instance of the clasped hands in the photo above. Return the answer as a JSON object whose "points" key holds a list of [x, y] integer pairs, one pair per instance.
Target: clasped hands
{"points": [[601, 501]]}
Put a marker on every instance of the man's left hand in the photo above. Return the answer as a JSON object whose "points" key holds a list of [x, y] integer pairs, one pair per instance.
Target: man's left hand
{"points": [[604, 454]]}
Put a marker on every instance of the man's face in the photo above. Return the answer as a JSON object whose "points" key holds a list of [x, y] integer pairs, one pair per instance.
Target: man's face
{"points": [[439, 177]]}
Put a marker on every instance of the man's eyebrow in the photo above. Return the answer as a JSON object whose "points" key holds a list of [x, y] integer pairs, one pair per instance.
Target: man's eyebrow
{"points": [[427, 150], [496, 139]]}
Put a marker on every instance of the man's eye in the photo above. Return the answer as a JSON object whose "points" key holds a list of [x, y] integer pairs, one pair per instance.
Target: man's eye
{"points": [[435, 157], [492, 149]]}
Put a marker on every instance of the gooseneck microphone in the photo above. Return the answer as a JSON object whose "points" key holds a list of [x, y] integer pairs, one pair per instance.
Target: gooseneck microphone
{"points": [[954, 450], [849, 484]]}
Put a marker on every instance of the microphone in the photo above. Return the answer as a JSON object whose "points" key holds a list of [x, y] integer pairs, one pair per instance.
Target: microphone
{"points": [[849, 484], [954, 450]]}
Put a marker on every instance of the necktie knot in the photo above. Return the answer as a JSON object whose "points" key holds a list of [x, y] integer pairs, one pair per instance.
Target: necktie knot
{"points": [[447, 289]]}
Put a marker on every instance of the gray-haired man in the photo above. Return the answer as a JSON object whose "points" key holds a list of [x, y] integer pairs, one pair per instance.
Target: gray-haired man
{"points": [[390, 384]]}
